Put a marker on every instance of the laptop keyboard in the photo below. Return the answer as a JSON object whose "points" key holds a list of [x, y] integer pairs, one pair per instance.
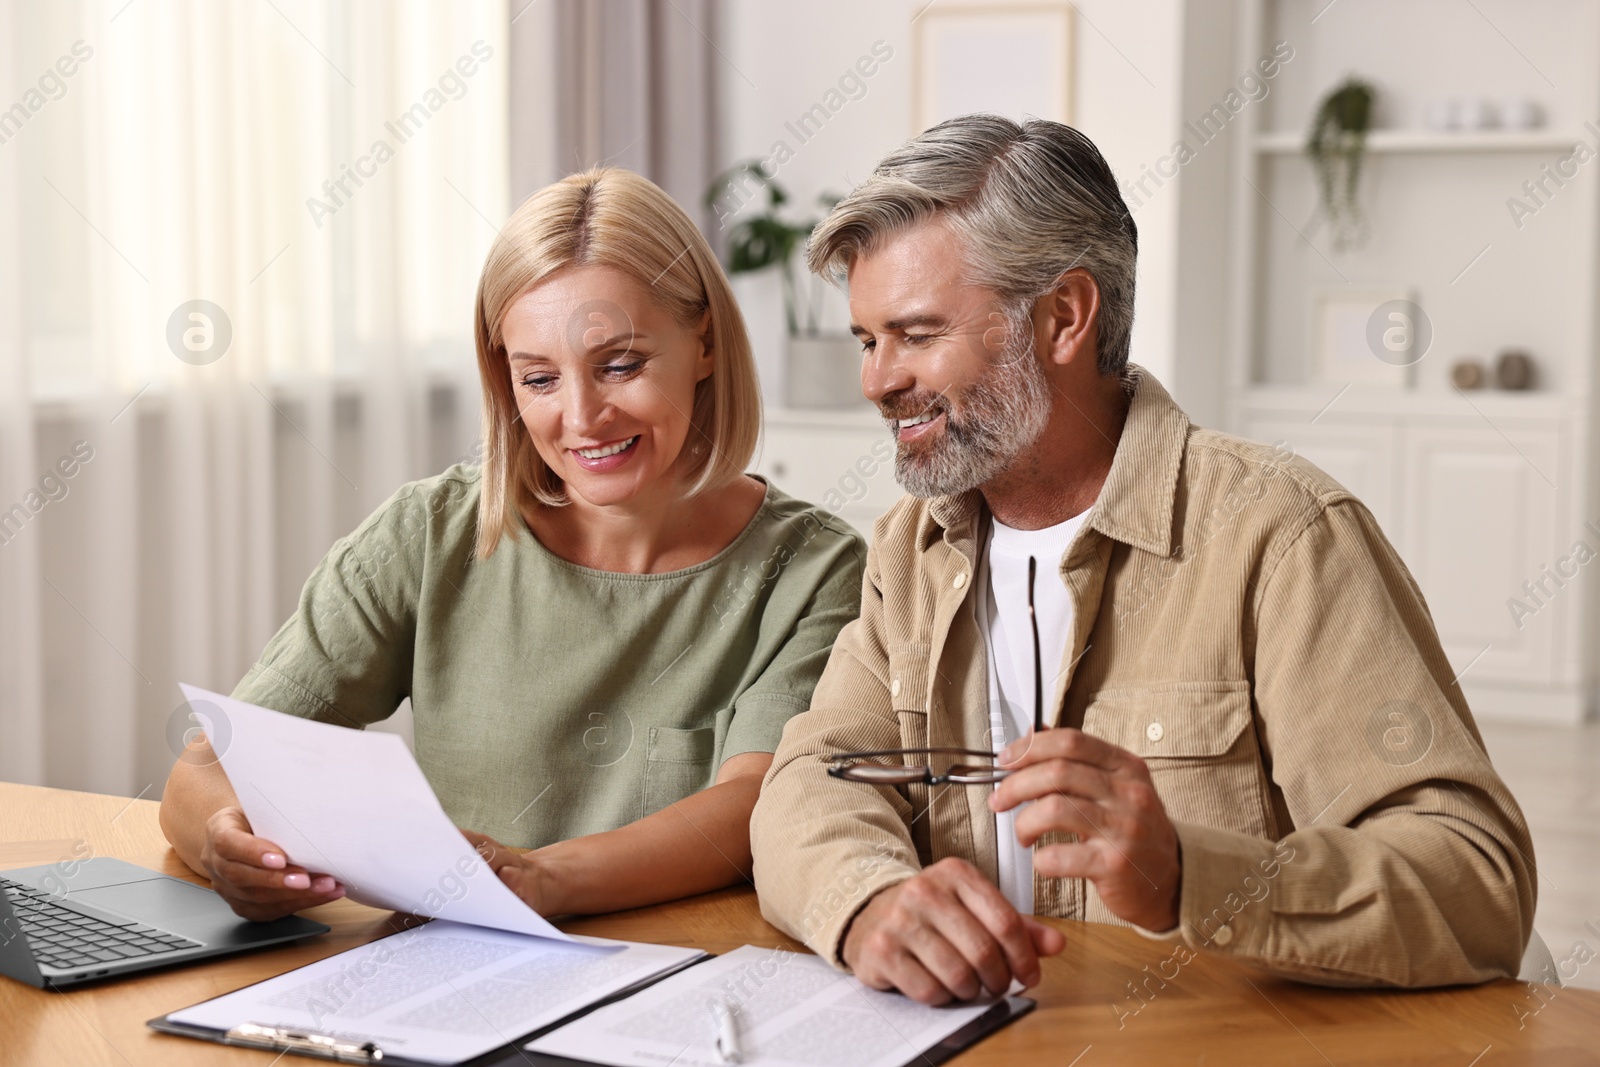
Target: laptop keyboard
{"points": [[66, 936]]}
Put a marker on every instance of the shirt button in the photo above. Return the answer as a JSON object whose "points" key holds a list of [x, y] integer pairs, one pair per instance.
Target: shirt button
{"points": [[1155, 731], [960, 579], [1223, 935], [894, 688]]}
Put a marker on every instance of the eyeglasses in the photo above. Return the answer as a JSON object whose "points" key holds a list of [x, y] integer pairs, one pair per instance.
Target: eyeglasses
{"points": [[862, 766], [856, 767]]}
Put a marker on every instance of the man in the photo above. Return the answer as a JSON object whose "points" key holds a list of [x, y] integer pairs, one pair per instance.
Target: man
{"points": [[1255, 747]]}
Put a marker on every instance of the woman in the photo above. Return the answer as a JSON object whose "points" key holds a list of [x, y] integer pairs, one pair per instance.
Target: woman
{"points": [[604, 630]]}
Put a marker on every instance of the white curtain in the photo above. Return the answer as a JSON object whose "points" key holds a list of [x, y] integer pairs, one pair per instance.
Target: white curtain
{"points": [[327, 178], [637, 85]]}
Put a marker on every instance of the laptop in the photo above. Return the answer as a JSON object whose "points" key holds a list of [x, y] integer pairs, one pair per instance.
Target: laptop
{"points": [[64, 924]]}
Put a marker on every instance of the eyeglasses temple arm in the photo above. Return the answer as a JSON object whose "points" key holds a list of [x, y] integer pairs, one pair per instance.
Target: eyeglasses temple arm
{"points": [[1038, 674]]}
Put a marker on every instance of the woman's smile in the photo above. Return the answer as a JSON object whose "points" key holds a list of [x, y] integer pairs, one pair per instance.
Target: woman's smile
{"points": [[600, 459]]}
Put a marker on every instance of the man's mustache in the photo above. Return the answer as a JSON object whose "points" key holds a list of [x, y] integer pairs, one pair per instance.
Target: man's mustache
{"points": [[912, 405]]}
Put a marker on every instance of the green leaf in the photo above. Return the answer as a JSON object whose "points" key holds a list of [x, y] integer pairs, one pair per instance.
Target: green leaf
{"points": [[723, 183], [758, 243]]}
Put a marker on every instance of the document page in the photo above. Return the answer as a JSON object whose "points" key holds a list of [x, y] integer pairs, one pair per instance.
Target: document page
{"points": [[788, 1008], [442, 992], [355, 805]]}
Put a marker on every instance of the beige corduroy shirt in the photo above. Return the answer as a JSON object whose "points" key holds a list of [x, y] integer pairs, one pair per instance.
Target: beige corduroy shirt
{"points": [[1243, 625]]}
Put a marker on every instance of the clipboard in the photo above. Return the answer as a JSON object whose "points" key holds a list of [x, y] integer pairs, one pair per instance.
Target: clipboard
{"points": [[345, 1050], [512, 1054], [1001, 1014]]}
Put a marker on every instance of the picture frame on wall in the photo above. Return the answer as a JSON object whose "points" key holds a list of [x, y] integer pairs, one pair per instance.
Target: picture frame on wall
{"points": [[1348, 328], [1015, 60]]}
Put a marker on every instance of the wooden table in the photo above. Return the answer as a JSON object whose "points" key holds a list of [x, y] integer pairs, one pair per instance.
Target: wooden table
{"points": [[1213, 1011]]}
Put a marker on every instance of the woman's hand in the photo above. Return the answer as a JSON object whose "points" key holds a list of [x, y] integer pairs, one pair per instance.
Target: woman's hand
{"points": [[522, 872], [254, 875], [695, 845]]}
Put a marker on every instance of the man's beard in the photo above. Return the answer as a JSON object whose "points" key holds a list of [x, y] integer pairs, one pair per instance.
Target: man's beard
{"points": [[1000, 415]]}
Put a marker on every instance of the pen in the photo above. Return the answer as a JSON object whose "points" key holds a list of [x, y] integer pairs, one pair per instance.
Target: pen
{"points": [[727, 1041], [255, 1035]]}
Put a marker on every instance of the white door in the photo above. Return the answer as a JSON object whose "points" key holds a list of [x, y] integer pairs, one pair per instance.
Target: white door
{"points": [[1481, 509]]}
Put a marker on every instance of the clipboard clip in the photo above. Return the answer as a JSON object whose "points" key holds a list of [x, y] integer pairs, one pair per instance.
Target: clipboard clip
{"points": [[279, 1037]]}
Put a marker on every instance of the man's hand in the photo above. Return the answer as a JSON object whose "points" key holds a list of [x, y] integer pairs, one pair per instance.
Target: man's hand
{"points": [[1082, 785], [520, 871], [946, 934]]}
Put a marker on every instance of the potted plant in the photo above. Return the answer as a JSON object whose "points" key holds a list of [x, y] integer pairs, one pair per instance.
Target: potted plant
{"points": [[822, 370], [1337, 143]]}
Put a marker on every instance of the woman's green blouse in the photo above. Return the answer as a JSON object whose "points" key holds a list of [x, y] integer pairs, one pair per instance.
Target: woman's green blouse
{"points": [[552, 700]]}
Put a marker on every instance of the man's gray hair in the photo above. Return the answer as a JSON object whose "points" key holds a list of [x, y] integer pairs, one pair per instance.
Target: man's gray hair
{"points": [[1029, 201]]}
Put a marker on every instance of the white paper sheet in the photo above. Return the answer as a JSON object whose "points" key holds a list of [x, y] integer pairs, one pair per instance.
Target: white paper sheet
{"points": [[355, 805], [791, 1010], [440, 993]]}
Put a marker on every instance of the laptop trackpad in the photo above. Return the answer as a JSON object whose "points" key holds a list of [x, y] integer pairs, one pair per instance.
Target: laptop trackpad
{"points": [[183, 908], [169, 903]]}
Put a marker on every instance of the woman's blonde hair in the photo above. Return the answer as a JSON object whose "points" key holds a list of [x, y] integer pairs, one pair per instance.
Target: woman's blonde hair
{"points": [[613, 218]]}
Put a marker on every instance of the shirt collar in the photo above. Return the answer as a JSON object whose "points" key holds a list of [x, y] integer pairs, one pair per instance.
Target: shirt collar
{"points": [[1137, 503]]}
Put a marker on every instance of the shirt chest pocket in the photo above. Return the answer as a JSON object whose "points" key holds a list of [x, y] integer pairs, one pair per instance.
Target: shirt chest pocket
{"points": [[1196, 738], [677, 764]]}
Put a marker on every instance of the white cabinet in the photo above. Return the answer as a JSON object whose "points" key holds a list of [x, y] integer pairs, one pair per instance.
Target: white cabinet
{"points": [[1480, 520], [1481, 509], [842, 461], [1359, 454]]}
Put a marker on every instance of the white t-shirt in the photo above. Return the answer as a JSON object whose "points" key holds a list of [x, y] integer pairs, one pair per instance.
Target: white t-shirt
{"points": [[1009, 640]]}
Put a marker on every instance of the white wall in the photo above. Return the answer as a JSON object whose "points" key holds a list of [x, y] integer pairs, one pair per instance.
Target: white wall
{"points": [[1204, 194], [781, 59]]}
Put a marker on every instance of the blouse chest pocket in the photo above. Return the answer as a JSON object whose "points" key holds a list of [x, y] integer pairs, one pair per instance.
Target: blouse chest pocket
{"points": [[677, 764], [1196, 739]]}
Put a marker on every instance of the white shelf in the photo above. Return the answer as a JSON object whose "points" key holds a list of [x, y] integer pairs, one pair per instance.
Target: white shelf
{"points": [[1283, 142]]}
